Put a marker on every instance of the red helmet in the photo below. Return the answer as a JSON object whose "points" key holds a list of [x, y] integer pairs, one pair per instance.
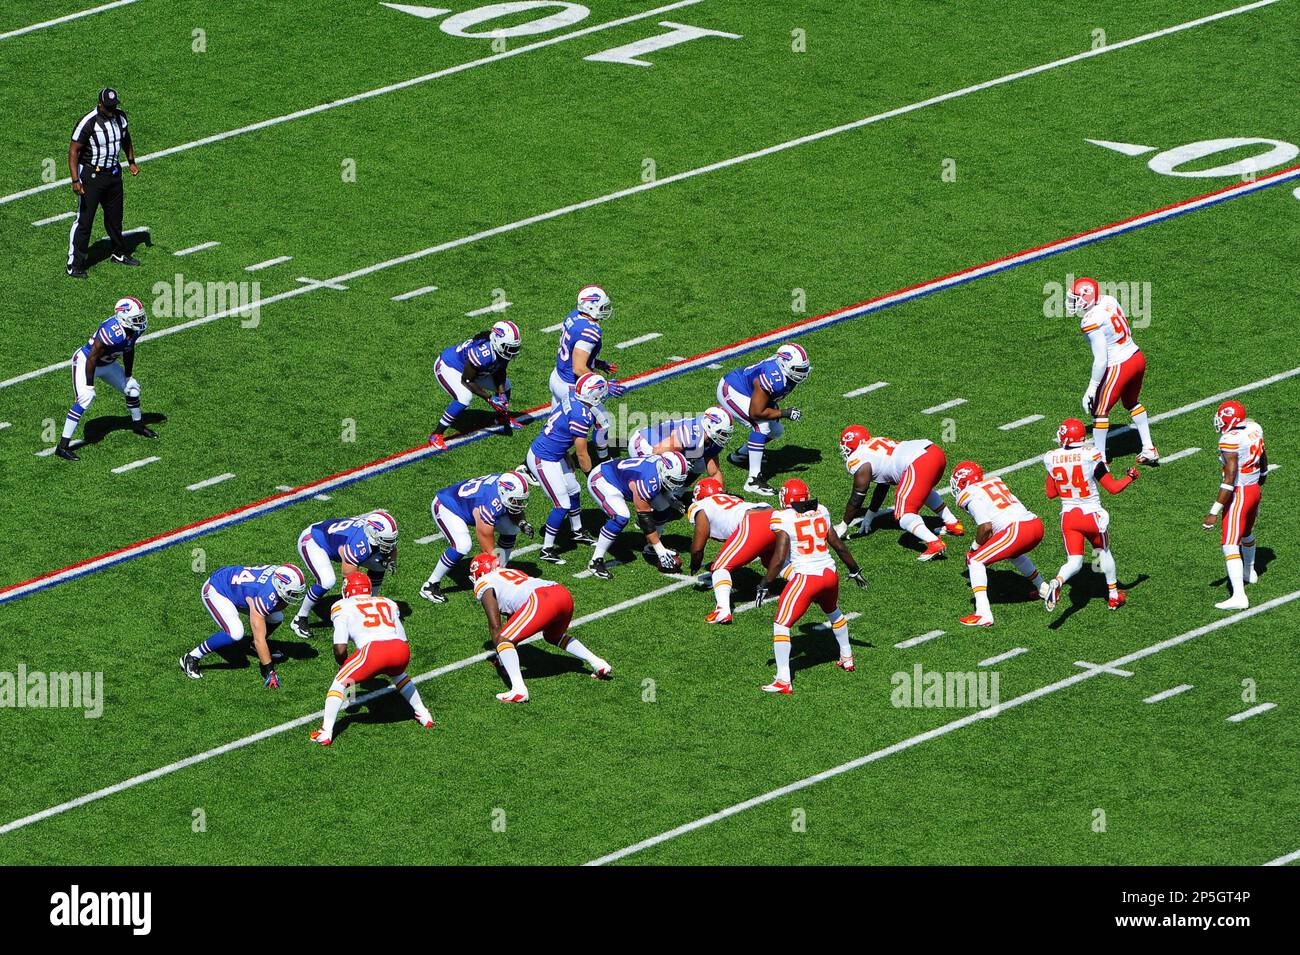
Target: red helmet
{"points": [[793, 490], [964, 474], [356, 585], [708, 487], [1230, 415], [851, 437], [482, 565], [1082, 295], [1071, 432]]}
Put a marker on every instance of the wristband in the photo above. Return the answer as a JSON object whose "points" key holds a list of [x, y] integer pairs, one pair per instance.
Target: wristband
{"points": [[1216, 508], [1226, 487]]}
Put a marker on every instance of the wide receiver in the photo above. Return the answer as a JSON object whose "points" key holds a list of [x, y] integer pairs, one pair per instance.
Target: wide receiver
{"points": [[532, 606], [478, 366], [804, 540], [743, 526], [1074, 471], [1118, 365], [916, 467], [372, 623], [1005, 530], [1245, 468]]}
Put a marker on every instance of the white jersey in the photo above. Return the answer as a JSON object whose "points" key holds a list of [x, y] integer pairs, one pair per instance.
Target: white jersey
{"points": [[366, 620], [991, 502], [512, 587], [724, 512], [1074, 471], [809, 551], [1246, 443], [888, 458], [1106, 318]]}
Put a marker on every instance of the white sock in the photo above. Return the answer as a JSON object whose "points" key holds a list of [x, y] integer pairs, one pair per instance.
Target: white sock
{"points": [[913, 525], [755, 464], [548, 540], [840, 627], [1248, 557], [1143, 425], [722, 590], [603, 544], [1026, 568], [509, 659], [307, 606], [333, 703], [1100, 429], [1232, 557], [412, 697], [979, 586], [781, 650], [574, 646], [1107, 561], [575, 522], [1071, 567]]}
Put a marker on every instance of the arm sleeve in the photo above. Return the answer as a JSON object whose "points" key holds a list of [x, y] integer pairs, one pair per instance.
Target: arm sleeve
{"points": [[1052, 490], [1097, 341], [340, 626]]}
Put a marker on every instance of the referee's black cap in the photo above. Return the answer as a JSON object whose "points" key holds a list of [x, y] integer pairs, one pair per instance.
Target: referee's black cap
{"points": [[108, 98]]}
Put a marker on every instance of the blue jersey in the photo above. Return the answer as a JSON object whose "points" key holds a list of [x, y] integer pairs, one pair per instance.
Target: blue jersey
{"points": [[343, 539], [632, 474], [689, 434], [575, 420], [479, 354], [237, 584], [114, 338], [577, 328], [766, 374], [475, 499]]}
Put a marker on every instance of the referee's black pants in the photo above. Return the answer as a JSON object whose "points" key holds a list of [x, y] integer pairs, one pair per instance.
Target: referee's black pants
{"points": [[103, 188]]}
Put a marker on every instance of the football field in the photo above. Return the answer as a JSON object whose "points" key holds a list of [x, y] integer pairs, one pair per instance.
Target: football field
{"points": [[330, 194]]}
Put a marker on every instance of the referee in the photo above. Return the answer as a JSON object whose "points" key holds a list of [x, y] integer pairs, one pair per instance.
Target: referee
{"points": [[97, 142]]}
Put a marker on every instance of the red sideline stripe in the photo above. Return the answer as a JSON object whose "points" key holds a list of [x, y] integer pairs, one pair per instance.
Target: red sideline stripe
{"points": [[425, 450]]}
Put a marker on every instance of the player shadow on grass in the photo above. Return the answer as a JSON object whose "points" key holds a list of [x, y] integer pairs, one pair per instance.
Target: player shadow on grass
{"points": [[97, 429], [101, 250], [540, 661], [320, 618], [240, 656], [1083, 589], [480, 419], [787, 458], [1263, 557], [887, 522], [388, 708], [816, 646]]}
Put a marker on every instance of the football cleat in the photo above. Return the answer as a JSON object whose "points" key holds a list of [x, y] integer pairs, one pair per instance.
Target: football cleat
{"points": [[432, 592], [976, 620], [956, 528], [1239, 602], [424, 719], [512, 696], [760, 487], [299, 626], [598, 569], [190, 667], [65, 452], [1149, 457], [144, 431], [1117, 601], [935, 550], [717, 616], [1252, 577], [845, 664], [547, 555], [583, 537], [511, 423], [779, 686], [528, 474], [437, 442], [603, 671], [318, 736], [1053, 595]]}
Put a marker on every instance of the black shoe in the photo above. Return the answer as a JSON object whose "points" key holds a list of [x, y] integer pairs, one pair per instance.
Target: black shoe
{"points": [[739, 458], [144, 431], [65, 452], [190, 667], [77, 273], [432, 592], [582, 537], [549, 556], [760, 486], [125, 259], [598, 569]]}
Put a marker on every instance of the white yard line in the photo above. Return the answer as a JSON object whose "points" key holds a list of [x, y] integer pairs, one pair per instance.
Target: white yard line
{"points": [[422, 290], [1179, 455], [161, 771], [314, 497], [957, 724], [47, 452], [64, 19], [1286, 859], [862, 391], [428, 538], [1003, 656], [5, 424], [489, 309], [676, 357], [553, 328], [913, 641], [935, 409], [640, 340], [61, 215], [1020, 422], [135, 464], [1166, 694], [197, 248], [380, 91], [258, 266], [715, 365], [1253, 711], [199, 485]]}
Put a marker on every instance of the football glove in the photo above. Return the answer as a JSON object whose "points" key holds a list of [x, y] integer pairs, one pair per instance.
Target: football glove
{"points": [[858, 578], [269, 678], [1088, 397], [841, 529], [668, 560], [525, 528], [616, 390], [500, 402], [1133, 474], [794, 414], [761, 594]]}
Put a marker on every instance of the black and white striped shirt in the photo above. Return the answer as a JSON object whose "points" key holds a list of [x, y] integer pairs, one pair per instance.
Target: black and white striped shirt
{"points": [[102, 138]]}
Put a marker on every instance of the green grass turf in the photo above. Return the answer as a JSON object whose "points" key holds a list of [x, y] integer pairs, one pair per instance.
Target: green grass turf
{"points": [[588, 768]]}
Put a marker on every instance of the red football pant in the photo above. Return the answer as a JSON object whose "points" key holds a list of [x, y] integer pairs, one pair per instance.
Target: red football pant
{"points": [[919, 480], [1239, 518], [1078, 527], [389, 657], [548, 611], [1123, 382], [753, 538], [804, 589], [1017, 539]]}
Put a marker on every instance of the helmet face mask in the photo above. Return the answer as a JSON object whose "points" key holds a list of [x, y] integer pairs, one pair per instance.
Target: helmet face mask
{"points": [[672, 468], [289, 582], [717, 425], [357, 585], [131, 314], [506, 340], [1229, 415], [593, 302], [591, 389], [1071, 431], [1082, 296], [513, 491], [964, 475], [794, 362], [482, 565], [792, 492], [851, 438], [381, 531]]}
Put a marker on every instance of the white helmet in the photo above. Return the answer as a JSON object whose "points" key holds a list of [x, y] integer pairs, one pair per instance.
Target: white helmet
{"points": [[717, 425], [381, 531], [289, 583], [505, 339], [794, 362], [512, 488], [672, 468], [130, 312], [591, 389], [593, 301]]}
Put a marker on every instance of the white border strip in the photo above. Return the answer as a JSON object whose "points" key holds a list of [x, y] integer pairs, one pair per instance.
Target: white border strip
{"points": [[64, 19], [1020, 422]]}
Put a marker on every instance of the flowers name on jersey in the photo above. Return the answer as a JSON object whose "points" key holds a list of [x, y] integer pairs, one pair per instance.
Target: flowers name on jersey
{"points": [[810, 552], [578, 329], [1246, 443], [991, 502]]}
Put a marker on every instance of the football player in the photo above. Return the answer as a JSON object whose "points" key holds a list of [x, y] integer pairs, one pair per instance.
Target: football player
{"points": [[1074, 471], [804, 540], [368, 541], [743, 526], [372, 623], [579, 354], [492, 504], [636, 482], [479, 366], [532, 606], [1004, 530], [752, 394], [1245, 468], [260, 592], [916, 467], [701, 439], [115, 338], [567, 430], [1117, 365]]}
